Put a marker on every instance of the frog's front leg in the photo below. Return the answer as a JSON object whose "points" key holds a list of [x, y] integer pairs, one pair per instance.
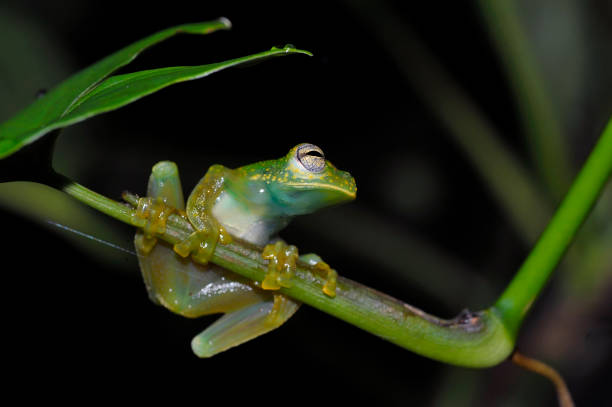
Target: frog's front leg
{"points": [[209, 231]]}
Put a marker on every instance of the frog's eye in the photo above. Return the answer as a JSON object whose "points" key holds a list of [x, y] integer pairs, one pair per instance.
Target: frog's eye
{"points": [[311, 157]]}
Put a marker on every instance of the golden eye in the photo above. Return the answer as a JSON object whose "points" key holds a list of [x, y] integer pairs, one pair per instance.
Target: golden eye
{"points": [[311, 157]]}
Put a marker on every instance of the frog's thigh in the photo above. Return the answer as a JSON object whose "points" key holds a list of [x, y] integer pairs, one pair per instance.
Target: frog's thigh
{"points": [[243, 325], [164, 182], [191, 289]]}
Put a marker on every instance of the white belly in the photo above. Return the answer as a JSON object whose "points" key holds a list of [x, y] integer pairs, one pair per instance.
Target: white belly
{"points": [[245, 222]]}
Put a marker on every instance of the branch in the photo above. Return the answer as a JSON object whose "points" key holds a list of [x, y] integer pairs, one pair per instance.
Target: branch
{"points": [[473, 339], [517, 299], [541, 368]]}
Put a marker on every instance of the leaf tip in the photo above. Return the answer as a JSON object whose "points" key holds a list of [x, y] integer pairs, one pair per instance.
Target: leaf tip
{"points": [[303, 51], [290, 49], [207, 27]]}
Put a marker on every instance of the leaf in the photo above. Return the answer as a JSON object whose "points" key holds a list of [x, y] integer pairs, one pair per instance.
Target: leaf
{"points": [[120, 90], [91, 91]]}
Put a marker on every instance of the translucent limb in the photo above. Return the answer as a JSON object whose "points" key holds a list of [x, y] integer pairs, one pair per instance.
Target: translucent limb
{"points": [[330, 275], [208, 232], [281, 266], [245, 324]]}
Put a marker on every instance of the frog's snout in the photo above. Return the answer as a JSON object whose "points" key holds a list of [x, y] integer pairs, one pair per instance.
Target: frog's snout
{"points": [[348, 184]]}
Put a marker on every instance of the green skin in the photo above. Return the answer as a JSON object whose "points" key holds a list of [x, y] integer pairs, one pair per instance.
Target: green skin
{"points": [[252, 203]]}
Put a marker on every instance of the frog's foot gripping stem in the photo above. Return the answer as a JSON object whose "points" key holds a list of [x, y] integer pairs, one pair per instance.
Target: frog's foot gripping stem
{"points": [[330, 275], [281, 265], [151, 215], [202, 242]]}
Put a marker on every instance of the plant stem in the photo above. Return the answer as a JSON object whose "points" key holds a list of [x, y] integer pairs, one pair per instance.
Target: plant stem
{"points": [[473, 339], [541, 368], [103, 204], [516, 301]]}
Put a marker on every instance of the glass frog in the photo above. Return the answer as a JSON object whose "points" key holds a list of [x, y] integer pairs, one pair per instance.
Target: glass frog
{"points": [[251, 203]]}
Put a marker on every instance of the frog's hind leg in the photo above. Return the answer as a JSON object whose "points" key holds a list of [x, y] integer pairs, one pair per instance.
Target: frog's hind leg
{"points": [[329, 274], [165, 183], [164, 194], [164, 197], [242, 325]]}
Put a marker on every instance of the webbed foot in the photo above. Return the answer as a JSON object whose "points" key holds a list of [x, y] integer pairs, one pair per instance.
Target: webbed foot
{"points": [[201, 243], [330, 275], [151, 215], [281, 308], [281, 266]]}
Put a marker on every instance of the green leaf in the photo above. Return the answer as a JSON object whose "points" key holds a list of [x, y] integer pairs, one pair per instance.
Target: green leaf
{"points": [[91, 91], [120, 90]]}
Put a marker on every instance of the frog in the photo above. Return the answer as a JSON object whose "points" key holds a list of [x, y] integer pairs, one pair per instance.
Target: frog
{"points": [[251, 203]]}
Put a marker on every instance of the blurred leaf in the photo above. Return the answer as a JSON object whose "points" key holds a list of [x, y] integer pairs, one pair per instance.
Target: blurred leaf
{"points": [[87, 93], [32, 58], [545, 136], [509, 181], [62, 210]]}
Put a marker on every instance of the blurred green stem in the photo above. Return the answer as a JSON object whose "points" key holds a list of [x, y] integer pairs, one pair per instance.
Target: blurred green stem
{"points": [[541, 125], [517, 299]]}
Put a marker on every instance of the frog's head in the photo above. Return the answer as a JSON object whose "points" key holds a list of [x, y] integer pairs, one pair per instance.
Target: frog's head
{"points": [[307, 181], [303, 181]]}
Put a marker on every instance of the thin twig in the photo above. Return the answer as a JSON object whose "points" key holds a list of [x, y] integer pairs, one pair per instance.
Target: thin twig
{"points": [[541, 368]]}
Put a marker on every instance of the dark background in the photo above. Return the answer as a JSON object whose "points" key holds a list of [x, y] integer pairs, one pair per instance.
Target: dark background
{"points": [[77, 319]]}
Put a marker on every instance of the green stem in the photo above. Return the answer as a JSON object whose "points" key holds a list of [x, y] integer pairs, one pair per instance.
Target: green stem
{"points": [[103, 204], [474, 339], [471, 339], [517, 299]]}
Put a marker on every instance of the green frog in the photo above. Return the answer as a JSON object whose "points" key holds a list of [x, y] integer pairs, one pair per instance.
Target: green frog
{"points": [[252, 203]]}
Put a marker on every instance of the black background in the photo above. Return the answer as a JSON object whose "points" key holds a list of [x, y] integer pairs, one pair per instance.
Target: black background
{"points": [[74, 323]]}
